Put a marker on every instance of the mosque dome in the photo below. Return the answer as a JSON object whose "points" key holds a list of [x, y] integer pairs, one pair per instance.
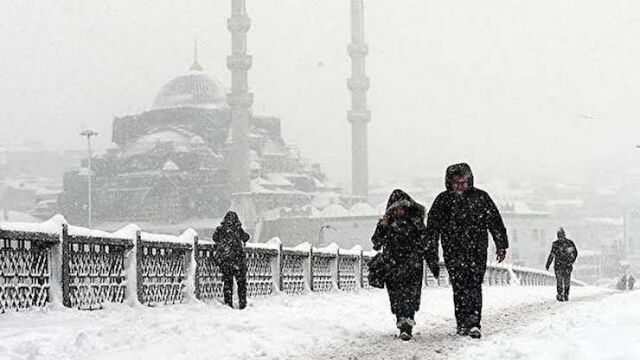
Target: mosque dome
{"points": [[194, 89]]}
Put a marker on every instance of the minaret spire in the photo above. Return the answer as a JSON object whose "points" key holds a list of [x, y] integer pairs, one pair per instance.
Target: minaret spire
{"points": [[196, 65], [359, 116], [239, 98]]}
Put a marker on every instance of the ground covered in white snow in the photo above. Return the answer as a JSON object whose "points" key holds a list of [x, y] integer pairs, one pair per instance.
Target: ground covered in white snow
{"points": [[519, 323]]}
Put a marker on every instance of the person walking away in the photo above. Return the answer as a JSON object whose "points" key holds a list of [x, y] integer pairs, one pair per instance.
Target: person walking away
{"points": [[630, 282], [622, 283], [564, 252], [230, 256], [461, 217], [400, 235]]}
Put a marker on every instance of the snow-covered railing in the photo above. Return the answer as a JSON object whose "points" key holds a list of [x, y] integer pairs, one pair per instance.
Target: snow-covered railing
{"points": [[93, 267], [54, 262], [25, 255], [208, 279], [262, 270], [162, 265], [295, 271]]}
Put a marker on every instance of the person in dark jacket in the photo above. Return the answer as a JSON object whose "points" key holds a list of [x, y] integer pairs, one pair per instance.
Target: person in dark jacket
{"points": [[631, 281], [460, 217], [230, 256], [564, 252], [400, 235], [622, 283]]}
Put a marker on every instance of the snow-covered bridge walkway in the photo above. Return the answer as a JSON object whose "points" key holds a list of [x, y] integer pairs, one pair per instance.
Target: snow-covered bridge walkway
{"points": [[519, 323]]}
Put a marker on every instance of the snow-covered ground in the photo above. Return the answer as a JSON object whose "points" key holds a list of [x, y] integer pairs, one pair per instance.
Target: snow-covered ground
{"points": [[519, 323], [608, 328]]}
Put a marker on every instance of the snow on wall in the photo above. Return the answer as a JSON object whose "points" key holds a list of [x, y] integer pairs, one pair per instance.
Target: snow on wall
{"points": [[329, 249], [51, 226], [356, 250], [86, 232]]}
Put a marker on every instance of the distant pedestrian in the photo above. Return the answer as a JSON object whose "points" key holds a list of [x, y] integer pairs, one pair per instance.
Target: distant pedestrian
{"points": [[230, 256], [630, 282], [461, 216], [564, 252], [622, 284], [400, 235]]}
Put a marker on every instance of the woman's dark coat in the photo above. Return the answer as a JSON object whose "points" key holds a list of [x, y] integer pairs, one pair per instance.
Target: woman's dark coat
{"points": [[403, 244], [229, 239]]}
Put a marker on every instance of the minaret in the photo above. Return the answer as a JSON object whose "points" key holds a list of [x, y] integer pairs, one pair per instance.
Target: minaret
{"points": [[239, 98], [196, 65], [359, 116]]}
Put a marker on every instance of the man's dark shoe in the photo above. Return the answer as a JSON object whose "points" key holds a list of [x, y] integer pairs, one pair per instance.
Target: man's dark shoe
{"points": [[565, 298], [462, 331], [475, 333], [559, 297], [405, 332]]}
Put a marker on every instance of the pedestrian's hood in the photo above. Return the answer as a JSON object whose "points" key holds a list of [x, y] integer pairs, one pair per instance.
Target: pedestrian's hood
{"points": [[457, 170], [399, 197]]}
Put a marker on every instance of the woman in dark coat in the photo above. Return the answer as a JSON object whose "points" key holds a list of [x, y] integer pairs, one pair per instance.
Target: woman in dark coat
{"points": [[229, 239], [401, 235]]}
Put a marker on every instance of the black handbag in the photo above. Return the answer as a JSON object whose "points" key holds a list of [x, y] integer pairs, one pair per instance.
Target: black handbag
{"points": [[378, 271]]}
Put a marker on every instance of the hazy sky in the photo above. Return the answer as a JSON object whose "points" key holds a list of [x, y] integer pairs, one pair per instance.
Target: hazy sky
{"points": [[515, 88]]}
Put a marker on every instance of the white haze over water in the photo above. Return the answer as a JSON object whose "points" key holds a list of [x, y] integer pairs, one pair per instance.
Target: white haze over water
{"points": [[516, 88]]}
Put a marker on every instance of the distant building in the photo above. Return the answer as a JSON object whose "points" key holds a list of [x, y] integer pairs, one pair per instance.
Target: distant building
{"points": [[171, 163], [530, 234]]}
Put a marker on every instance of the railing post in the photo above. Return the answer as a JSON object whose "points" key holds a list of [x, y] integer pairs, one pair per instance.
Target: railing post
{"points": [[359, 280], [66, 300], [309, 271], [55, 268], [139, 255], [191, 271], [335, 272], [196, 256], [276, 270]]}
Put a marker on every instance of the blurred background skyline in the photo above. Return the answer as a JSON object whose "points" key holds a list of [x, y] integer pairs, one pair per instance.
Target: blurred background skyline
{"points": [[519, 90]]}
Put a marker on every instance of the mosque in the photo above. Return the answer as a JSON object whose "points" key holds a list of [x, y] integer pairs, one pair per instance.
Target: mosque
{"points": [[200, 151], [173, 161]]}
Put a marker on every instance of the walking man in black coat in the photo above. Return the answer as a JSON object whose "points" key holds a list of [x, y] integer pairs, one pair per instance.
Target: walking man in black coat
{"points": [[461, 216], [230, 256], [564, 252]]}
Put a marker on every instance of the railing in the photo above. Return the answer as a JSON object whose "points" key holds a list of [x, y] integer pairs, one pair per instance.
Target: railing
{"points": [[82, 268], [25, 275], [93, 271]]}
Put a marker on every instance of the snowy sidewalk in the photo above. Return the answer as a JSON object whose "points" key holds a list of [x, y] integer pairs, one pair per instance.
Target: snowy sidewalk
{"points": [[338, 325], [608, 329]]}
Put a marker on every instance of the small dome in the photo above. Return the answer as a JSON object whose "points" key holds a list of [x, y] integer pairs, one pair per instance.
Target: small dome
{"points": [[195, 89]]}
